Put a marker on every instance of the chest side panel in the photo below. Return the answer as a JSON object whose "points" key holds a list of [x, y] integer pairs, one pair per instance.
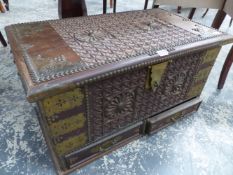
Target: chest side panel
{"points": [[204, 69], [65, 117]]}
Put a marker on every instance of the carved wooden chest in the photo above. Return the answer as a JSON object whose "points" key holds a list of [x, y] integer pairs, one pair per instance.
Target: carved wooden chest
{"points": [[101, 81]]}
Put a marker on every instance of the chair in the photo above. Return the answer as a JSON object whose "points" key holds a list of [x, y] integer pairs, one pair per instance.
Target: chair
{"points": [[216, 4], [225, 69], [2, 7], [7, 4], [114, 5], [218, 20], [207, 10], [224, 7], [178, 8], [71, 8], [3, 41]]}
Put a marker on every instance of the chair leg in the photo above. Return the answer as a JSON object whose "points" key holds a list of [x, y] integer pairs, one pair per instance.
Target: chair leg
{"points": [[3, 41], [231, 22], [2, 8], [155, 6], [179, 9], [225, 69], [104, 6], [191, 14], [111, 2], [146, 4], [7, 4], [218, 20], [114, 6], [205, 13]]}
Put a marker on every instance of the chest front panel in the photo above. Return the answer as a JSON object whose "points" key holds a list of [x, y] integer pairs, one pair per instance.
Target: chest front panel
{"points": [[119, 101], [81, 116], [87, 114], [171, 88]]}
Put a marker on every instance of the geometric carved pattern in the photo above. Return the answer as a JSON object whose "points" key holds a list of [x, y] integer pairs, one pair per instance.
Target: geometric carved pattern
{"points": [[113, 102], [174, 85], [80, 44], [117, 102], [116, 37], [100, 40], [124, 99], [120, 105]]}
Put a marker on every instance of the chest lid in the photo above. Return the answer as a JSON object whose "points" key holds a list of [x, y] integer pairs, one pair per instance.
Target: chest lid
{"points": [[54, 56]]}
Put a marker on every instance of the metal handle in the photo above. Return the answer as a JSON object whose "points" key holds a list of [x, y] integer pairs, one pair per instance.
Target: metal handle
{"points": [[173, 119], [102, 149]]}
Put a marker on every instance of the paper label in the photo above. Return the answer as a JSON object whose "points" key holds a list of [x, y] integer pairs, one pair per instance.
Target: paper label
{"points": [[162, 53]]}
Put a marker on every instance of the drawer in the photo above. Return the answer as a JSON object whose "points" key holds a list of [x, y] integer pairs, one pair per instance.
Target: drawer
{"points": [[98, 149], [168, 117]]}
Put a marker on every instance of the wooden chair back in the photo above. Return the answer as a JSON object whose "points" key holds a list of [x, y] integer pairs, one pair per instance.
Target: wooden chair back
{"points": [[71, 8]]}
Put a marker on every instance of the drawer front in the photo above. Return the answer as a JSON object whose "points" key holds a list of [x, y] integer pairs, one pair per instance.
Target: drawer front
{"points": [[100, 148], [170, 116]]}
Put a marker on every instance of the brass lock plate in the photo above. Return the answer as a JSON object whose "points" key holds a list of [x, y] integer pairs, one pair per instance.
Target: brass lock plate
{"points": [[155, 75]]}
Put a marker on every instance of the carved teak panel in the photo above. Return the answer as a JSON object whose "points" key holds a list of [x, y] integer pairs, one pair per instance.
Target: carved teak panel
{"points": [[120, 101], [113, 102]]}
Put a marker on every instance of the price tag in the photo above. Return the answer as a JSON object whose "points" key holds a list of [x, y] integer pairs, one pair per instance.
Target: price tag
{"points": [[162, 52]]}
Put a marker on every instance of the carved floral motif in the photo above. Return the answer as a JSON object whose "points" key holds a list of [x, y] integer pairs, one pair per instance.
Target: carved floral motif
{"points": [[121, 105], [113, 103]]}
